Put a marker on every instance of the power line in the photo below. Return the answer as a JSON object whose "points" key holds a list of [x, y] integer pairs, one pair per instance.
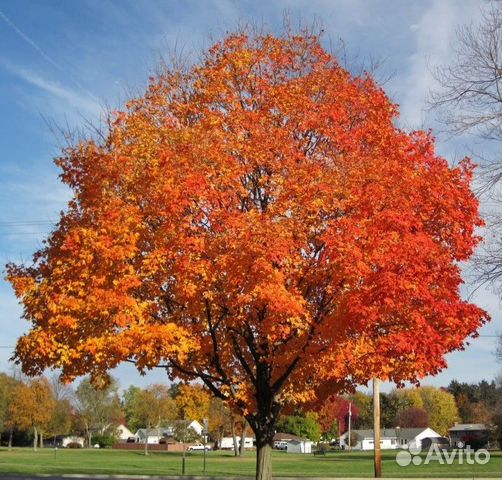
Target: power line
{"points": [[16, 223], [23, 233]]}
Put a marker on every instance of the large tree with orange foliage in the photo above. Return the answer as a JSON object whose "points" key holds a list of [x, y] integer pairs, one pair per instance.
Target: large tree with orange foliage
{"points": [[257, 222]]}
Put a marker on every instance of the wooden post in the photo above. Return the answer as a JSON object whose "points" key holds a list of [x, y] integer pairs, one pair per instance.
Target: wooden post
{"points": [[376, 428], [183, 459]]}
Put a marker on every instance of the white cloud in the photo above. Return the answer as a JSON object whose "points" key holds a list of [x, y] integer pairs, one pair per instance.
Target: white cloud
{"points": [[434, 34], [81, 102]]}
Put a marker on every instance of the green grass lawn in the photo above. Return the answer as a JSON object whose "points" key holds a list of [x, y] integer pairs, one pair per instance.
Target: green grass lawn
{"points": [[342, 464]]}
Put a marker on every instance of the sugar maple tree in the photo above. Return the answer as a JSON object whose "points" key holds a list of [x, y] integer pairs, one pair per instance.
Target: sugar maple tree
{"points": [[256, 222]]}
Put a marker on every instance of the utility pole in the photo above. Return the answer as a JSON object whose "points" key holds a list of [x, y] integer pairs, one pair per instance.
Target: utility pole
{"points": [[350, 426], [205, 432], [184, 447], [376, 427]]}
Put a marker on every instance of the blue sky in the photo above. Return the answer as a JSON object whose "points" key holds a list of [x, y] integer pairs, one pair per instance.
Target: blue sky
{"points": [[62, 62]]}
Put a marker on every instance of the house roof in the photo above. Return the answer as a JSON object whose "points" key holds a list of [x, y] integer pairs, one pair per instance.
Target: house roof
{"points": [[298, 441], [152, 432], [168, 430], [461, 427], [284, 437]]}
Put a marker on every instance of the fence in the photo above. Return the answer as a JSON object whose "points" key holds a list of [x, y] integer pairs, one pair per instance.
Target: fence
{"points": [[153, 447]]}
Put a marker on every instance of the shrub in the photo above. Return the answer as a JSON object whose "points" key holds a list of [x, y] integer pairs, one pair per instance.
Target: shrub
{"points": [[74, 445], [104, 441]]}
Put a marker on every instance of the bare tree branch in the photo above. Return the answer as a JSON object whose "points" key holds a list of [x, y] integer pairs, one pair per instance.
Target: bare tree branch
{"points": [[469, 100]]}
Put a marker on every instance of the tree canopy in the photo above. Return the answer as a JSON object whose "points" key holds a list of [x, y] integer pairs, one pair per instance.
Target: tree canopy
{"points": [[245, 217]]}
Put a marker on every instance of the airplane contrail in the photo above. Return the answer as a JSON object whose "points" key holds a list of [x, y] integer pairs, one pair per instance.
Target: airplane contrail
{"points": [[46, 57]]}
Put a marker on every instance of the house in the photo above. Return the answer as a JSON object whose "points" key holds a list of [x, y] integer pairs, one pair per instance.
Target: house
{"points": [[194, 425], [390, 438], [227, 443], [159, 435], [281, 440], [299, 445], [197, 427], [292, 443], [474, 435], [151, 435], [123, 433]]}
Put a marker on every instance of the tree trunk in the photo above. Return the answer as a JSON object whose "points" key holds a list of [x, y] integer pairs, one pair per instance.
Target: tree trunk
{"points": [[89, 439], [263, 461], [41, 439], [146, 444], [376, 428], [243, 437], [234, 437], [35, 439], [264, 432], [222, 434], [10, 438]]}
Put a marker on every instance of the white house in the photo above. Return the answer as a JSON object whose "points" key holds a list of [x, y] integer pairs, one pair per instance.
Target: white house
{"points": [[390, 438], [154, 435], [123, 432], [197, 427], [194, 425], [299, 445], [150, 435], [227, 443]]}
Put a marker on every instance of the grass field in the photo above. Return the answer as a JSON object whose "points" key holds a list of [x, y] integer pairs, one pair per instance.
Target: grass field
{"points": [[342, 464]]}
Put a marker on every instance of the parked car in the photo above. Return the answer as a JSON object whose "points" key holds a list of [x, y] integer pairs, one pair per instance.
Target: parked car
{"points": [[281, 445], [199, 446]]}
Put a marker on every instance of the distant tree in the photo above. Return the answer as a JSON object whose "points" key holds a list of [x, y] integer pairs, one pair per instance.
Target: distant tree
{"points": [[220, 420], [32, 407], [469, 100], [192, 402], [61, 419], [174, 389], [333, 415], [98, 409], [303, 425], [154, 408], [7, 389], [390, 406], [478, 402], [61, 390], [464, 406], [129, 406], [364, 404], [441, 407], [412, 417], [438, 403], [183, 432], [407, 397], [63, 414]]}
